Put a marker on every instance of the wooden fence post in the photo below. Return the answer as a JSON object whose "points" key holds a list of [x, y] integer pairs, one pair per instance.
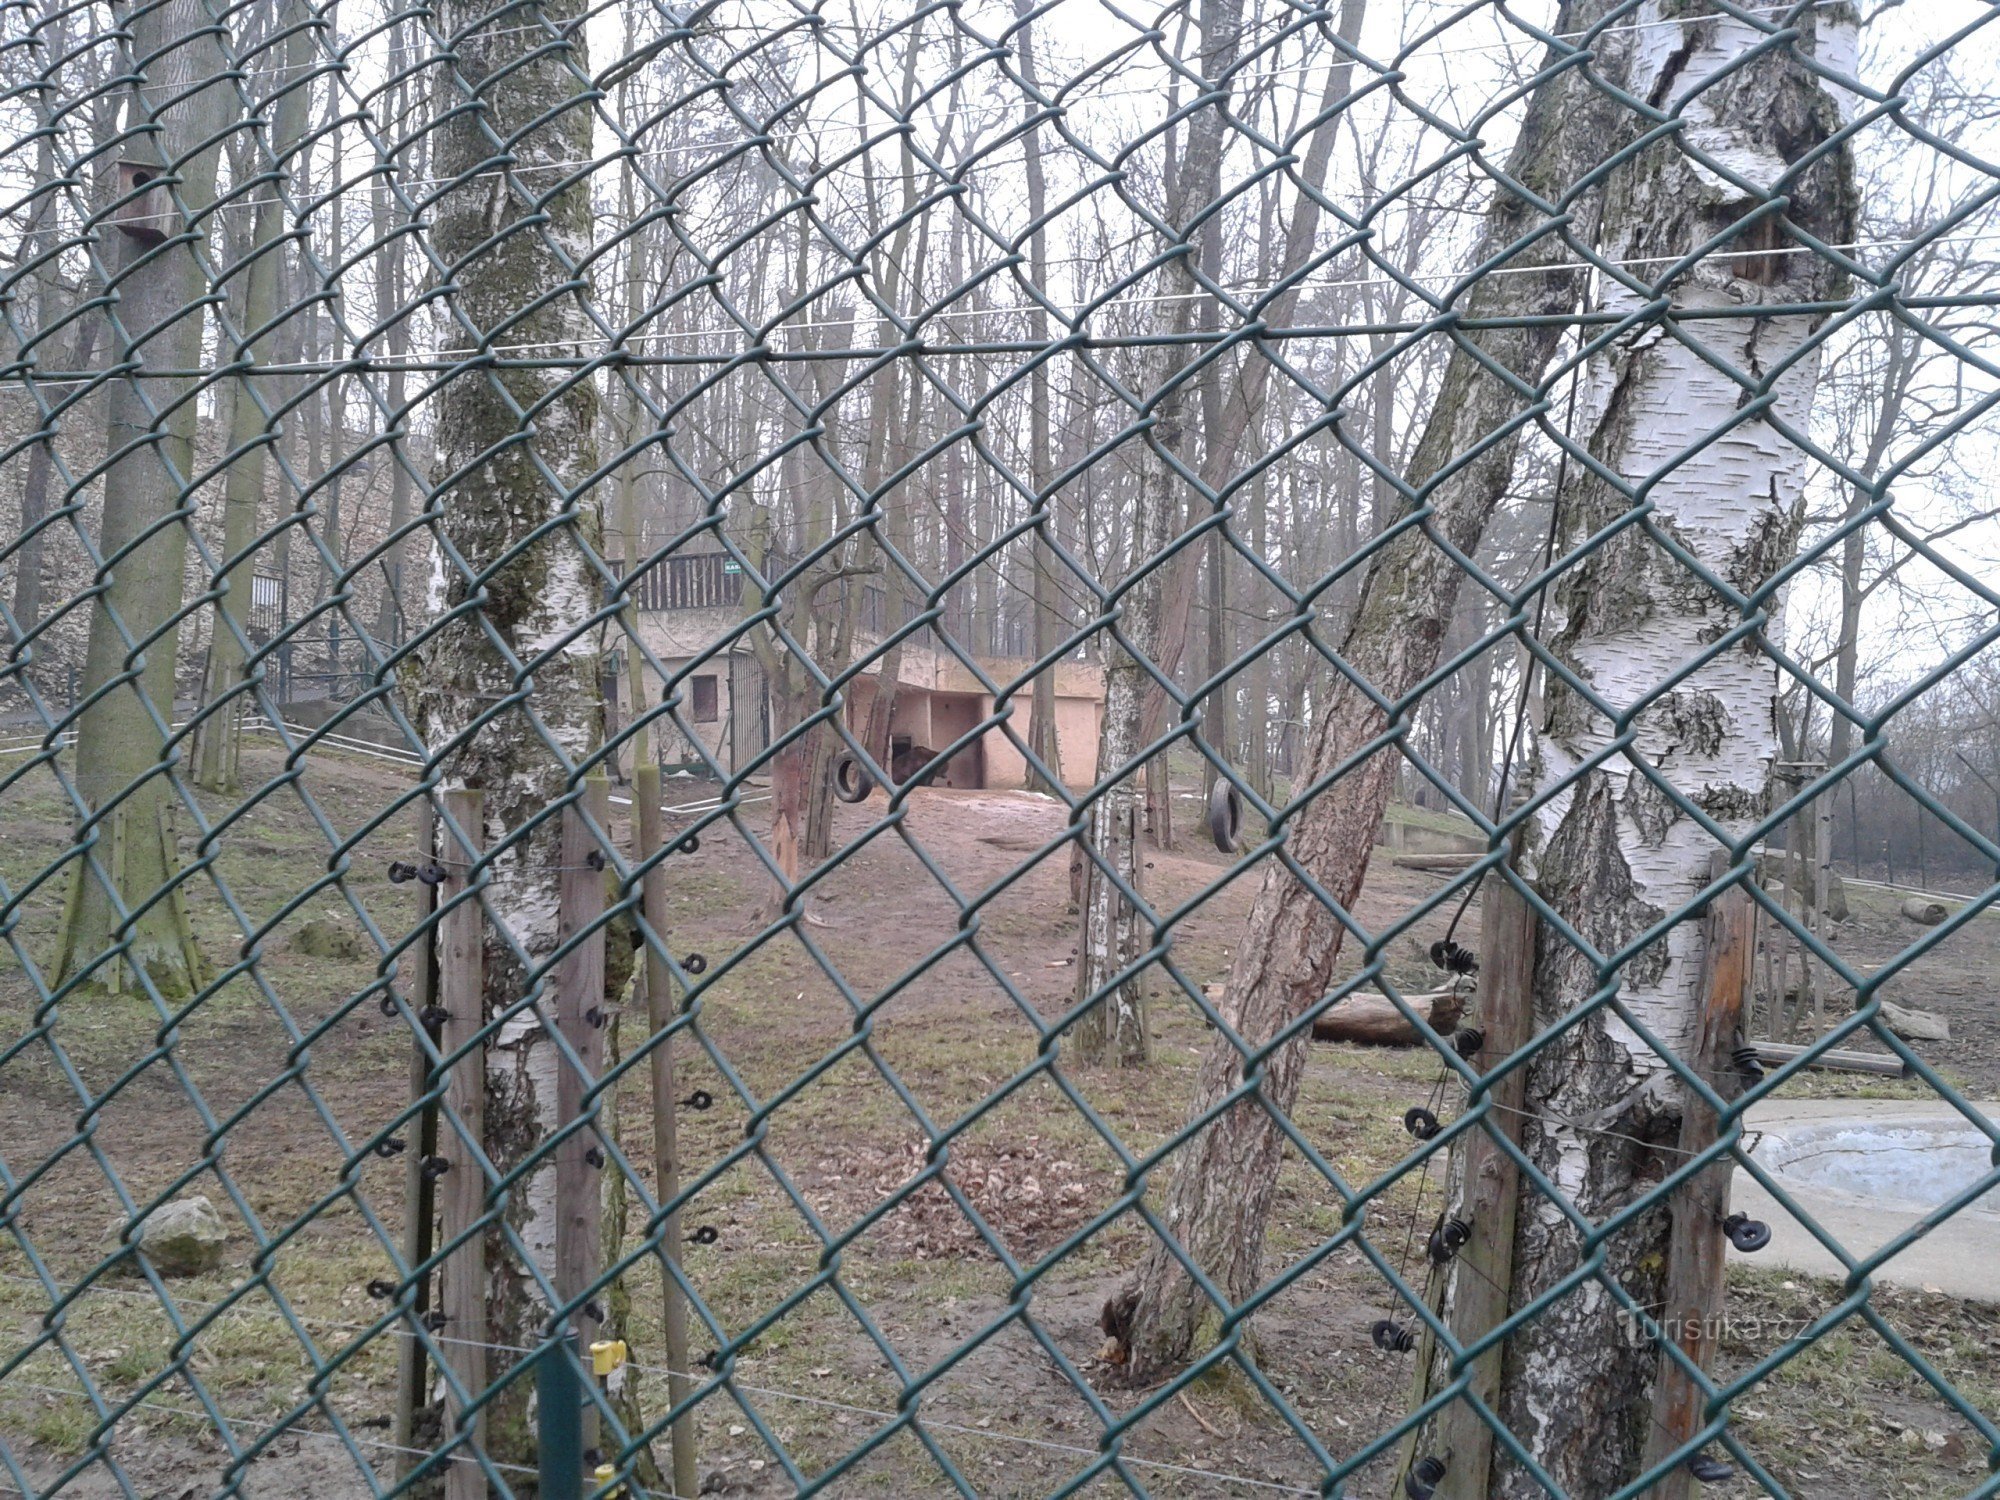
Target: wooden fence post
{"points": [[462, 993], [1483, 1271], [580, 1017], [1697, 1273], [666, 1142], [419, 1189]]}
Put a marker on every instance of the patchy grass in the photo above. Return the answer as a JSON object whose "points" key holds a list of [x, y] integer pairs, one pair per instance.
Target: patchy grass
{"points": [[262, 1096]]}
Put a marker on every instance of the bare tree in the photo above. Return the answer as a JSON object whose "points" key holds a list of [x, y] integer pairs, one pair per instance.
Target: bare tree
{"points": [[1219, 1197], [125, 897], [502, 479], [1695, 422], [255, 288]]}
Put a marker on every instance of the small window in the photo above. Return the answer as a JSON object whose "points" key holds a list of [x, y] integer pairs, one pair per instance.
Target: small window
{"points": [[704, 700]]}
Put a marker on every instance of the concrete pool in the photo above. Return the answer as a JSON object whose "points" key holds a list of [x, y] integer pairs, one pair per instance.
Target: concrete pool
{"points": [[1866, 1170]]}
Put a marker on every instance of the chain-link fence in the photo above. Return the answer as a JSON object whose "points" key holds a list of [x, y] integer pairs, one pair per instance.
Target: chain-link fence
{"points": [[988, 748]]}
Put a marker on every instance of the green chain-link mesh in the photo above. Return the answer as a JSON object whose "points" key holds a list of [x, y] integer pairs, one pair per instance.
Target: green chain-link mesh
{"points": [[810, 290]]}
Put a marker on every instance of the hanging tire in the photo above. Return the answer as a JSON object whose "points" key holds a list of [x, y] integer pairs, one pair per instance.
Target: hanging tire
{"points": [[851, 781], [1225, 815]]}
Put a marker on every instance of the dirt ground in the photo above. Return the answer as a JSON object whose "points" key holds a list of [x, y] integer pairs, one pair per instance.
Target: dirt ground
{"points": [[932, 950]]}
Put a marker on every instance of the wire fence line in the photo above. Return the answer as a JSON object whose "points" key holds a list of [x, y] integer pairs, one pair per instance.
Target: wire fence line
{"points": [[1529, 463]]}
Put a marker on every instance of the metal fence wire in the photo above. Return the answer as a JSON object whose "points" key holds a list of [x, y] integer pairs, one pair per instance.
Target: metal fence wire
{"points": [[726, 726]]}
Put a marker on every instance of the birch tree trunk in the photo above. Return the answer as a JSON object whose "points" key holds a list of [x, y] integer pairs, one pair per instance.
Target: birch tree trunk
{"points": [[1617, 854], [1113, 928], [499, 479], [1115, 1028], [1219, 1195], [158, 277]]}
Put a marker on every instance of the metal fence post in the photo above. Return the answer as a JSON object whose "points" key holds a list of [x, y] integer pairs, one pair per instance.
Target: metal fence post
{"points": [[559, 1418]]}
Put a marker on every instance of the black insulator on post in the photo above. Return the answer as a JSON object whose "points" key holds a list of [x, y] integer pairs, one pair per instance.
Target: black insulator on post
{"points": [[1420, 1122], [1391, 1337], [1747, 1234], [1447, 1240], [1422, 1480], [1453, 959]]}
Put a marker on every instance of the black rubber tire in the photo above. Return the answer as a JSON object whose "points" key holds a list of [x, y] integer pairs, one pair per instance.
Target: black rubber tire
{"points": [[851, 782], [1225, 815]]}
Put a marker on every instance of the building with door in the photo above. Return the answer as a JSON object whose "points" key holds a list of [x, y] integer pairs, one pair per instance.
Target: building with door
{"points": [[691, 619]]}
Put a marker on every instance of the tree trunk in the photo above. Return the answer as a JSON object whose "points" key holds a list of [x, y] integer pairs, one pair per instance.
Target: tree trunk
{"points": [[1219, 1196], [121, 760], [1042, 737], [1114, 930], [1617, 856], [501, 481], [1115, 1028], [220, 736]]}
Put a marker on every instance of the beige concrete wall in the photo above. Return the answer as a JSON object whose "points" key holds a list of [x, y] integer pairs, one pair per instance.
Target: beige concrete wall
{"points": [[676, 637], [717, 735], [1079, 721]]}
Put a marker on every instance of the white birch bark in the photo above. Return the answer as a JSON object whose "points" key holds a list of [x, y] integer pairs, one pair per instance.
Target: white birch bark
{"points": [[498, 479], [1617, 855], [1113, 928]]}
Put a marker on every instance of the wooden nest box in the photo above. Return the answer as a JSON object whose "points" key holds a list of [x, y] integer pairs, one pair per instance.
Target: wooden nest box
{"points": [[145, 208]]}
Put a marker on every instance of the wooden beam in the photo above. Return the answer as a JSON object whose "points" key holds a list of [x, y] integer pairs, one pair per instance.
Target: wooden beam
{"points": [[1887, 1064], [660, 1011], [462, 993], [1697, 1280], [1483, 1271], [580, 1017], [419, 1188]]}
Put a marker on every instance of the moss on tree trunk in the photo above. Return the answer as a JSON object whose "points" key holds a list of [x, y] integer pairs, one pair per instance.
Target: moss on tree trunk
{"points": [[124, 916], [515, 452]]}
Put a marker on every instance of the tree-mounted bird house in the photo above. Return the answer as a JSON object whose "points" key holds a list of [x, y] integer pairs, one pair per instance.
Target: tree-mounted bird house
{"points": [[145, 208]]}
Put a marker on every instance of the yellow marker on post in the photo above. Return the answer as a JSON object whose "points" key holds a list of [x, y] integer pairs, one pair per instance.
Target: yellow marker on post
{"points": [[606, 1355]]}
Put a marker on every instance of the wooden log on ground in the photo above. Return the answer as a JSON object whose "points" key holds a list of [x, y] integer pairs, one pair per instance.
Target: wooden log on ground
{"points": [[1777, 1054], [1372, 1019], [1924, 911], [1442, 861]]}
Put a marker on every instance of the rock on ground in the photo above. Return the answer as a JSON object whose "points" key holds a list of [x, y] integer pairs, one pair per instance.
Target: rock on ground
{"points": [[184, 1237]]}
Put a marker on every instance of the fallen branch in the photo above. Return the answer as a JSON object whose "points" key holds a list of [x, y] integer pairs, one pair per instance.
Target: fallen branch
{"points": [[1375, 1020]]}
